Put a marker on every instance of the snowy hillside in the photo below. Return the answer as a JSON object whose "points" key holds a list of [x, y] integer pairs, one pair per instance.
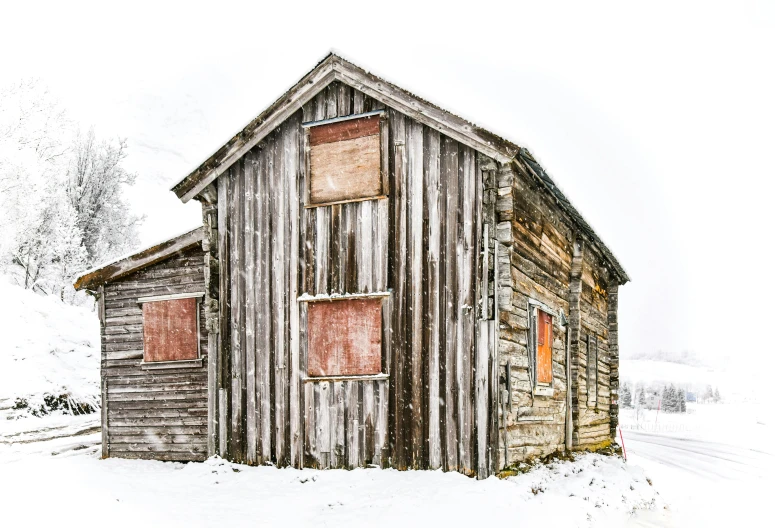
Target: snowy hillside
{"points": [[734, 386], [50, 351]]}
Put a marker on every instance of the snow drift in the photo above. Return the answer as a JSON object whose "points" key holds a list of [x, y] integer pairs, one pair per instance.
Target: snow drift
{"points": [[50, 356]]}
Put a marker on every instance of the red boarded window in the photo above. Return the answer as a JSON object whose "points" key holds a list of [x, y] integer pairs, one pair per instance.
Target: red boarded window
{"points": [[344, 337], [170, 330], [345, 160], [544, 347]]}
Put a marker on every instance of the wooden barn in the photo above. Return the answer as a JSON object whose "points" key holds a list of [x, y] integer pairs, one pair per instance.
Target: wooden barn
{"points": [[377, 282]]}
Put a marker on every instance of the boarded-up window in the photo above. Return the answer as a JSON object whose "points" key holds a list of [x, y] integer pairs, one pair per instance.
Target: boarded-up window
{"points": [[591, 370], [344, 337], [544, 347], [345, 160], [170, 330]]}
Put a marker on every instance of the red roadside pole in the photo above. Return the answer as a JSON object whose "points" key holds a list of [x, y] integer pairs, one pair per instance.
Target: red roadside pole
{"points": [[624, 450]]}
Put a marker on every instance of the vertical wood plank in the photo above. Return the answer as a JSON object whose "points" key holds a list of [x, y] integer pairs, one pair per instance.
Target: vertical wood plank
{"points": [[331, 91], [449, 175], [236, 210], [368, 420], [338, 427], [317, 409], [104, 412], [295, 185], [223, 410], [322, 221], [323, 422], [212, 394], [433, 324], [482, 394], [365, 247], [399, 401], [337, 248], [264, 309], [380, 443], [493, 398], [350, 242], [381, 209], [466, 304], [224, 292], [309, 425], [353, 424], [250, 306], [357, 102], [343, 100], [281, 236], [414, 155]]}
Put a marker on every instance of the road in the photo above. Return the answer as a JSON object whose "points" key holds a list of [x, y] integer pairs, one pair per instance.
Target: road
{"points": [[704, 482]]}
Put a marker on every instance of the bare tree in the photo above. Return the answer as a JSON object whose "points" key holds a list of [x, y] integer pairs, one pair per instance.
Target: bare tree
{"points": [[62, 206], [94, 189]]}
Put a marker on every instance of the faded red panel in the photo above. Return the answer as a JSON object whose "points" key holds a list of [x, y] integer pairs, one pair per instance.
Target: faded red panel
{"points": [[343, 130], [170, 330], [544, 352], [344, 337]]}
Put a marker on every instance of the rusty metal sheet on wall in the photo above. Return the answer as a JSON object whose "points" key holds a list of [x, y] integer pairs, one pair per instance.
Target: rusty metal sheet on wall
{"points": [[345, 337], [170, 330]]}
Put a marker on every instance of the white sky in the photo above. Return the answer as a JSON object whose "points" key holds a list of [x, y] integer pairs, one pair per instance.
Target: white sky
{"points": [[656, 120]]}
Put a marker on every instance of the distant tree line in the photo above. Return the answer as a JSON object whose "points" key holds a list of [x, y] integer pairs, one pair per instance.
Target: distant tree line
{"points": [[667, 397], [62, 205]]}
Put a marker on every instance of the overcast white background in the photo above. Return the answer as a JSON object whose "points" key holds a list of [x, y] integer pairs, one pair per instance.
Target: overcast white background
{"points": [[656, 120]]}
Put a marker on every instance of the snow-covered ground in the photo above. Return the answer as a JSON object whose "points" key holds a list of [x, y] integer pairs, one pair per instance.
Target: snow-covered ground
{"points": [[62, 482], [712, 465], [48, 348], [51, 473], [707, 467]]}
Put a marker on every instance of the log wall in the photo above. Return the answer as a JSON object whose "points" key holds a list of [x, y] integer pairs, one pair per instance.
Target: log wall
{"points": [[547, 260], [156, 414]]}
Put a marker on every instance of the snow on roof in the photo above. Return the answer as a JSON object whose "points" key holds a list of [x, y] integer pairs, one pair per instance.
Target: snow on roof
{"points": [[125, 264]]}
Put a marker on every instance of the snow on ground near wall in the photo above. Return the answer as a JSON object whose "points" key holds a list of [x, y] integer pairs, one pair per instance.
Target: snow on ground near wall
{"points": [[47, 348], [81, 490]]}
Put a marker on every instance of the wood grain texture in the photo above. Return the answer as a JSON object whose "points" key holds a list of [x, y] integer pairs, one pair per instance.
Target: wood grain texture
{"points": [[154, 404], [345, 170], [421, 244]]}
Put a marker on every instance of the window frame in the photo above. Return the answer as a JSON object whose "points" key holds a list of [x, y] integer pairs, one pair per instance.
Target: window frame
{"points": [[175, 363], [383, 155], [384, 373], [591, 338], [539, 388]]}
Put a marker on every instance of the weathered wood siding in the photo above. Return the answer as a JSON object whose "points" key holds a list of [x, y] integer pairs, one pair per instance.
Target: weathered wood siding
{"points": [[152, 414], [594, 418], [535, 265], [422, 244], [547, 259]]}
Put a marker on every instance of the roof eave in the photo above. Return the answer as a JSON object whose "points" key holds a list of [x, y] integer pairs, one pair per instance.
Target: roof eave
{"points": [[333, 67], [142, 259]]}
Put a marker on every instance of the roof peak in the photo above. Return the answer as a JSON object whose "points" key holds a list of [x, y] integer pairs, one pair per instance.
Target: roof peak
{"points": [[335, 67]]}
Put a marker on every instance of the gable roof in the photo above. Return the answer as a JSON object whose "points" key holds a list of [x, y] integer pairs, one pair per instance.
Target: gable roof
{"points": [[123, 266], [335, 68]]}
